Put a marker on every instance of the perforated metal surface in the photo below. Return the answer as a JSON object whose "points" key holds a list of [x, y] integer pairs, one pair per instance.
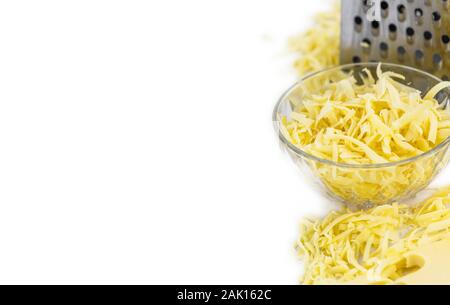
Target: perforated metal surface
{"points": [[409, 32]]}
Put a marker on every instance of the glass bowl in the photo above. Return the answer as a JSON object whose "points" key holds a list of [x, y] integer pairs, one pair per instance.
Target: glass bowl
{"points": [[365, 186]]}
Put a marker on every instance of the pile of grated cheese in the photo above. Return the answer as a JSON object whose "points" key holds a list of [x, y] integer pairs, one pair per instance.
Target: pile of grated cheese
{"points": [[377, 122], [318, 48], [371, 244]]}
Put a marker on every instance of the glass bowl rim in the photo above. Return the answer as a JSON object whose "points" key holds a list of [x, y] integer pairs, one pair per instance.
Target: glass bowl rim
{"points": [[306, 155]]}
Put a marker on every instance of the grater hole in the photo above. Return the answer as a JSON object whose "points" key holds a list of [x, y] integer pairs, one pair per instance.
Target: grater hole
{"points": [[418, 12], [410, 32], [401, 50], [445, 39], [392, 31], [384, 48], [356, 59], [437, 61], [428, 35], [419, 55], [367, 42], [436, 16], [375, 28], [358, 20], [392, 28], [384, 9], [437, 58], [401, 9]]}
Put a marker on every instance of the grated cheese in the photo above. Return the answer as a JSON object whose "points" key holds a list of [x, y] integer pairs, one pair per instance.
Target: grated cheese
{"points": [[377, 122], [318, 48], [375, 245]]}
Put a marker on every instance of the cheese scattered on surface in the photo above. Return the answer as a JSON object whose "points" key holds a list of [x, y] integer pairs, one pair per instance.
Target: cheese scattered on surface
{"points": [[378, 246], [372, 123], [318, 48]]}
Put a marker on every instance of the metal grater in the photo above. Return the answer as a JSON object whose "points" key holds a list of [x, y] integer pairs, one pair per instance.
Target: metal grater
{"points": [[410, 32]]}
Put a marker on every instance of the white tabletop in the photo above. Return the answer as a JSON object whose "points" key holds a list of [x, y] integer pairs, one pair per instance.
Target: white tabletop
{"points": [[137, 142]]}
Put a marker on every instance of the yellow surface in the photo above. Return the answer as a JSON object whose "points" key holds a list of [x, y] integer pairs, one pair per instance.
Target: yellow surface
{"points": [[430, 263], [436, 268]]}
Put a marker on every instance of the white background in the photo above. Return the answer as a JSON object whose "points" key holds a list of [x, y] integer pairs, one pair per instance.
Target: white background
{"points": [[136, 142]]}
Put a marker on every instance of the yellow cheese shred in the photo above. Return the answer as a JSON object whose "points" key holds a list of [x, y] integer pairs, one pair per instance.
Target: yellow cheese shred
{"points": [[374, 244]]}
